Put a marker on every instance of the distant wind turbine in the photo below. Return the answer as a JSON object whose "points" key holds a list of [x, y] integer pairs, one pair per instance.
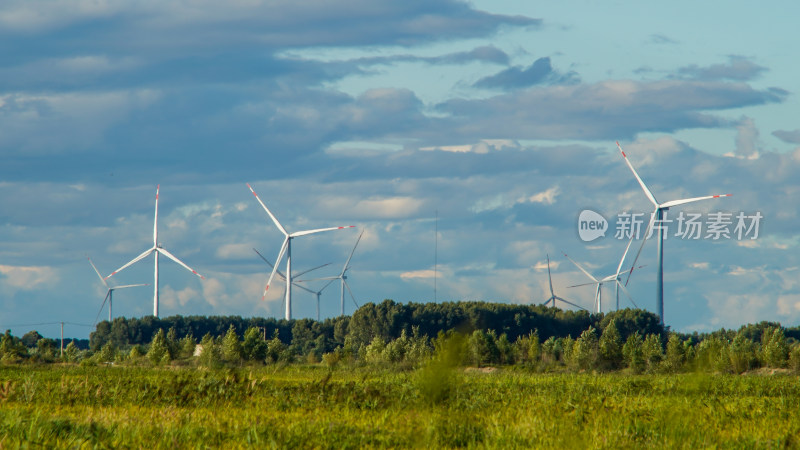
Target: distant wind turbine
{"points": [[616, 278], [553, 296], [155, 249], [658, 215], [286, 248], [296, 283], [109, 292], [343, 277]]}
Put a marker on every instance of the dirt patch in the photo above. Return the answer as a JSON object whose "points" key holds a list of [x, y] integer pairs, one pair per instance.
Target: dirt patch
{"points": [[481, 369], [768, 371]]}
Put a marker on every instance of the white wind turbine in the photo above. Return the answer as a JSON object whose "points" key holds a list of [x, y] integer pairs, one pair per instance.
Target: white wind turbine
{"points": [[658, 215], [155, 249], [553, 296], [286, 248], [616, 278], [295, 283], [342, 276], [109, 291]]}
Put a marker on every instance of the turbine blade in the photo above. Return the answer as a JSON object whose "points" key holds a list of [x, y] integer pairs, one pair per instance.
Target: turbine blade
{"points": [[569, 303], [128, 286], [647, 192], [103, 280], [644, 239], [625, 290], [271, 216], [280, 274], [155, 221], [347, 263], [133, 261], [690, 200], [326, 285], [320, 230], [275, 266], [310, 270], [172, 257], [592, 283], [108, 293], [351, 293], [550, 278], [581, 268], [622, 261], [304, 288], [308, 280]]}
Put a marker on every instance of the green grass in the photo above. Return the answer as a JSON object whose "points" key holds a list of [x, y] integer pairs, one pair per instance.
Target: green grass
{"points": [[308, 406]]}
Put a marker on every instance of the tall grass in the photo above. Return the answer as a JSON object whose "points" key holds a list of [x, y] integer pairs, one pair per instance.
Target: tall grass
{"points": [[313, 406]]}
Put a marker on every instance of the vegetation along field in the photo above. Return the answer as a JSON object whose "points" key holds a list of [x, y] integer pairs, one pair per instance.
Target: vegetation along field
{"points": [[392, 375]]}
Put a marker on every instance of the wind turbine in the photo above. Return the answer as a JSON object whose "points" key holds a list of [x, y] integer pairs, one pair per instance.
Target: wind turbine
{"points": [[109, 292], [342, 276], [155, 249], [553, 296], [613, 277], [658, 215], [295, 283], [286, 248]]}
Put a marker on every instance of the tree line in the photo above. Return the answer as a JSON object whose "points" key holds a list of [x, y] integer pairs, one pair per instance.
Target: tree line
{"points": [[481, 333]]}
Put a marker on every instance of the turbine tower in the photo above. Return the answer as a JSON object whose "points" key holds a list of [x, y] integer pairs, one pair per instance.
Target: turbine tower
{"points": [[286, 248], [155, 249], [553, 296], [658, 215], [109, 291], [616, 278]]}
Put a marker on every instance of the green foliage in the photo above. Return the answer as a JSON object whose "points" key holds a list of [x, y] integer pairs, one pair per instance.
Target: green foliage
{"points": [[159, 351], [277, 350], [652, 352], [675, 356], [774, 348], [585, 351], [742, 353], [254, 347], [231, 346], [72, 353], [633, 353], [610, 347]]}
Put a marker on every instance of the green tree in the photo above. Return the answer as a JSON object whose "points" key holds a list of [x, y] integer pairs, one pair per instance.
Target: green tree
{"points": [[675, 356], [231, 346], [794, 358], [108, 353], [652, 351], [158, 348], [71, 352], [632, 353], [187, 346], [275, 348], [610, 347], [254, 347], [585, 350], [483, 348], [210, 353], [774, 348], [742, 353], [173, 343]]}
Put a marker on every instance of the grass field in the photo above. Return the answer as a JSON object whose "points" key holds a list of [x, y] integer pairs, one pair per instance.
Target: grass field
{"points": [[311, 406]]}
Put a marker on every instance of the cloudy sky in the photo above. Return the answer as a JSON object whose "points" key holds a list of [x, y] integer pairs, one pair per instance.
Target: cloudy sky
{"points": [[499, 117]]}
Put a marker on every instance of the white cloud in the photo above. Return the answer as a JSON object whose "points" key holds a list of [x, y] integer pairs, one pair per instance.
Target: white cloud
{"points": [[27, 278]]}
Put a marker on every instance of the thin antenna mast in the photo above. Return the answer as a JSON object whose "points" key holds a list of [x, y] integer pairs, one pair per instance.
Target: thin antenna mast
{"points": [[435, 255]]}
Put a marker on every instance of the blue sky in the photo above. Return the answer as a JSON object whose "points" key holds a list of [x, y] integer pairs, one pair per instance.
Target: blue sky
{"points": [[501, 116]]}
